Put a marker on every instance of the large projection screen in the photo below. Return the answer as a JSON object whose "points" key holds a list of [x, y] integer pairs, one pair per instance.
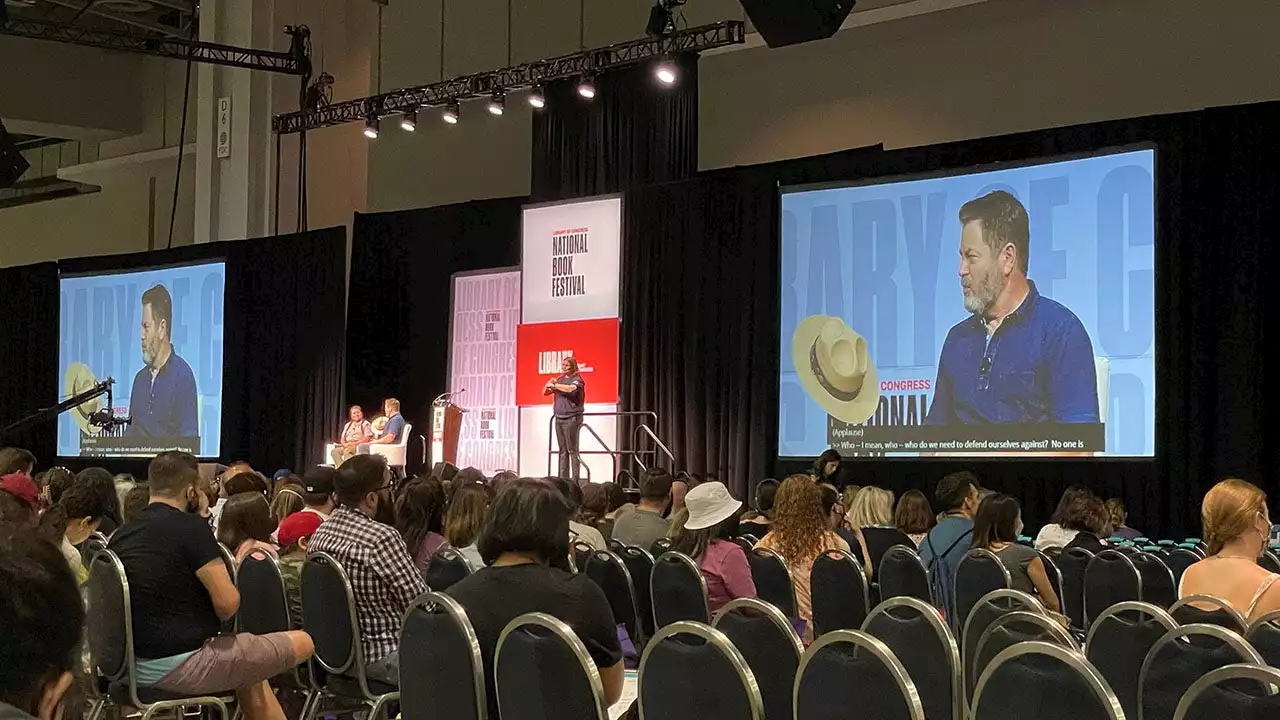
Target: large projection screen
{"points": [[996, 311]]}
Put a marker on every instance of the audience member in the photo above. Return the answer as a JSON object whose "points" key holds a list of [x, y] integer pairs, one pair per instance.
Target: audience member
{"points": [[1116, 509], [21, 490], [14, 460], [288, 500], [872, 515], [827, 469], [1236, 529], [595, 504], [996, 528], [181, 591], [383, 576], [57, 480], [42, 616], [800, 534], [946, 544], [578, 531], [759, 521], [914, 516], [468, 476], [247, 525], [526, 530], [70, 522], [1091, 522], [465, 519], [644, 524], [677, 512], [615, 504], [420, 519], [124, 482], [14, 511], [708, 539], [500, 480], [294, 535], [1056, 534], [246, 482], [103, 484], [135, 502], [317, 491]]}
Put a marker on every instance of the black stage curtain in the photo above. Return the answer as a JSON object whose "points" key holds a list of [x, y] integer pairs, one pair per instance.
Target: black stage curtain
{"points": [[398, 327], [282, 345], [634, 132]]}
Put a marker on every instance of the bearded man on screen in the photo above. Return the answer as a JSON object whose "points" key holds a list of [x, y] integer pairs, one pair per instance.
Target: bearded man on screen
{"points": [[1021, 357], [163, 400]]}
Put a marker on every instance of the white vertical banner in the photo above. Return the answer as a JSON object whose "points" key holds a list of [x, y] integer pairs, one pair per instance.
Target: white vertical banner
{"points": [[482, 368]]}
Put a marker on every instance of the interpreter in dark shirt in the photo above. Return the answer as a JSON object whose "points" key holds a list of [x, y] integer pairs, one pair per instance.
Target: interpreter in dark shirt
{"points": [[1021, 358], [163, 400], [181, 591], [527, 528], [570, 398]]}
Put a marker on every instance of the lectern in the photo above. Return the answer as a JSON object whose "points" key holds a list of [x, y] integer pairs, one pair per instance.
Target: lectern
{"points": [[446, 425]]}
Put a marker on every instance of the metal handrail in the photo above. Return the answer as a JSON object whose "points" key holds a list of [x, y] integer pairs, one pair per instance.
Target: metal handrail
{"points": [[661, 446], [552, 453]]}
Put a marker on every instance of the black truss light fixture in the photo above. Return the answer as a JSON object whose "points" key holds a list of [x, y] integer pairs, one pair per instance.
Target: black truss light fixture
{"points": [[409, 121], [452, 113], [371, 127], [537, 96], [666, 71], [587, 86], [498, 102]]}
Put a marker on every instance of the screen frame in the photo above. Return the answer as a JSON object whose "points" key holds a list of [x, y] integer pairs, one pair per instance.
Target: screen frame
{"points": [[978, 169]]}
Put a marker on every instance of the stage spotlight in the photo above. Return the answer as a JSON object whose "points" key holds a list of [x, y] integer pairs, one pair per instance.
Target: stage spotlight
{"points": [[666, 72], [587, 86], [498, 102], [537, 98], [409, 121], [371, 127], [452, 113]]}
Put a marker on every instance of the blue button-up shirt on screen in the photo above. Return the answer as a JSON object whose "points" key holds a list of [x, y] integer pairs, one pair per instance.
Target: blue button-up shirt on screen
{"points": [[165, 405]]}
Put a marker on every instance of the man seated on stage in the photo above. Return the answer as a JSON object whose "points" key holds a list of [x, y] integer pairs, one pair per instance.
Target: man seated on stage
{"points": [[383, 577], [394, 429], [354, 433]]}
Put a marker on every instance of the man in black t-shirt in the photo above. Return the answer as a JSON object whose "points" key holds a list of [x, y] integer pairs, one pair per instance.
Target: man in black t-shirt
{"points": [[181, 591]]}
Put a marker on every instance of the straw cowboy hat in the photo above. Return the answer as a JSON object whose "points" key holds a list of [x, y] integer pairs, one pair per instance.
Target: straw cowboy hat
{"points": [[80, 378], [835, 368]]}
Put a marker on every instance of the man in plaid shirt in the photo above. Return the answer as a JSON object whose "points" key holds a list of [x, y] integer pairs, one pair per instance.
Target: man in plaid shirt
{"points": [[383, 577]]}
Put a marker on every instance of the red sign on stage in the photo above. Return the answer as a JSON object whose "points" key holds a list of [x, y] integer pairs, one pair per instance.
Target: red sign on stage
{"points": [[541, 346]]}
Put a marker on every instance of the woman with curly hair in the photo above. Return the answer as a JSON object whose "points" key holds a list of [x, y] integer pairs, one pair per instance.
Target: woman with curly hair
{"points": [[800, 533]]}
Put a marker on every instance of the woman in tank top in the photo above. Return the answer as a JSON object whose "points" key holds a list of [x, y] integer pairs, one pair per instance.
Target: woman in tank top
{"points": [[996, 528], [1237, 529]]}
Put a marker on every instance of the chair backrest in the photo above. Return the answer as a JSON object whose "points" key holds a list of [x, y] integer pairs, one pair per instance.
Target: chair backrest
{"points": [[745, 543], [446, 568], [329, 616], [660, 546], [581, 552], [847, 669], [690, 671], [1251, 695], [1054, 574], [439, 660], [1264, 635], [1072, 563], [1270, 561], [542, 671], [229, 560], [984, 613], [1118, 642], [1220, 613], [1180, 658], [917, 634], [902, 574], [1017, 627], [773, 580], [749, 538], [91, 545], [109, 619], [840, 592], [769, 645], [1180, 559], [979, 573], [1158, 586], [608, 571], [1110, 578], [264, 601], [1045, 681], [679, 590], [640, 565]]}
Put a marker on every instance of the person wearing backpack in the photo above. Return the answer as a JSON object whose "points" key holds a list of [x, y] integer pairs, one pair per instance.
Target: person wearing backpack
{"points": [[946, 544]]}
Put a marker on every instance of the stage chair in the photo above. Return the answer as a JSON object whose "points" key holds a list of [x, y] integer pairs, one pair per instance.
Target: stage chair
{"points": [[1158, 586], [1180, 559], [1017, 627], [770, 647], [441, 670], [610, 573], [979, 573], [542, 671], [329, 616], [395, 454], [679, 590], [839, 591], [109, 619], [902, 574], [917, 634], [1222, 614], [1264, 635], [640, 565], [985, 612], [1251, 695], [446, 568], [1182, 656], [693, 672], [1110, 578], [848, 673], [1118, 642], [1044, 681], [773, 580], [328, 454], [1072, 564]]}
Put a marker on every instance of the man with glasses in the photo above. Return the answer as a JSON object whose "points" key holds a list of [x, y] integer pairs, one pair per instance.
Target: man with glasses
{"points": [[383, 577]]}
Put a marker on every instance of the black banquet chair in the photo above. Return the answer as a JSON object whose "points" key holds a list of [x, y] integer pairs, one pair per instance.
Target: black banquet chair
{"points": [[1054, 574], [264, 609], [773, 580], [1017, 627], [770, 647], [1208, 610], [679, 590], [660, 546], [1110, 578], [581, 551], [979, 573], [610, 573], [1179, 560], [725, 686], [848, 669], [447, 568], [329, 616], [916, 633], [1269, 561], [1181, 657], [640, 565], [1072, 563], [1264, 635], [1045, 681], [840, 592], [542, 671], [441, 670], [1118, 643], [902, 574], [1158, 586], [1239, 692], [984, 613]]}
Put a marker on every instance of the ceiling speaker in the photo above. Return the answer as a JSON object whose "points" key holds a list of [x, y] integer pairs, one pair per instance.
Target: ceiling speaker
{"points": [[12, 164], [787, 22]]}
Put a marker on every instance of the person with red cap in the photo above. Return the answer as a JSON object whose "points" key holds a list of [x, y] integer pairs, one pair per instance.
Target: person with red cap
{"points": [[19, 499], [294, 533]]}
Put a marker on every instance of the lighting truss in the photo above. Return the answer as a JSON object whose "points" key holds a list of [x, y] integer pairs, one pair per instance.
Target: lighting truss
{"points": [[698, 39], [168, 47]]}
